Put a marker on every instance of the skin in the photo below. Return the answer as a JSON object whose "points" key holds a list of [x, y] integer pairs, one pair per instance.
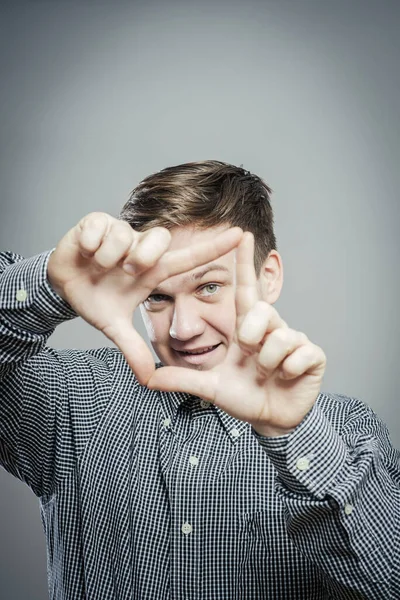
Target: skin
{"points": [[185, 313], [105, 270], [263, 372]]}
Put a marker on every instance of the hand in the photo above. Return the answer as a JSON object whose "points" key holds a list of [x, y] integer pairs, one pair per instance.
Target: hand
{"points": [[271, 375], [91, 268]]}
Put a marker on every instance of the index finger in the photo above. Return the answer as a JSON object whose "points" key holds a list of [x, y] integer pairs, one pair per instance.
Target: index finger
{"points": [[246, 278], [186, 259]]}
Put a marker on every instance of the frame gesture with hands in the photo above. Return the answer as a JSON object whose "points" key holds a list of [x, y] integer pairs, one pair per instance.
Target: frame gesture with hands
{"points": [[104, 269], [271, 375]]}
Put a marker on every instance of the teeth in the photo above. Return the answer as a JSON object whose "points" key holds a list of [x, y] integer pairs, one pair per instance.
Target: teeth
{"points": [[200, 351]]}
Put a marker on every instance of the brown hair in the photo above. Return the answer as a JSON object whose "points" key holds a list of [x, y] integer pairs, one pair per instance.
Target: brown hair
{"points": [[205, 194]]}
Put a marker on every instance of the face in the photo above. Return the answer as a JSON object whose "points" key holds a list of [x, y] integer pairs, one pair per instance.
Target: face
{"points": [[190, 318]]}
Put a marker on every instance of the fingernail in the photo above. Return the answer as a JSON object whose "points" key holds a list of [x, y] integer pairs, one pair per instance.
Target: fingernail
{"points": [[130, 269]]}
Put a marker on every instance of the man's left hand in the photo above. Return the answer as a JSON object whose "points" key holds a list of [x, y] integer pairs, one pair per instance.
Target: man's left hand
{"points": [[271, 375]]}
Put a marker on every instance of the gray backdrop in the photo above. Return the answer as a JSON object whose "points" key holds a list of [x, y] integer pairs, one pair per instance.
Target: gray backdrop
{"points": [[97, 95]]}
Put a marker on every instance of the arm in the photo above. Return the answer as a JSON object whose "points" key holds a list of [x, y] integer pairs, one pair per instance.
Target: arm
{"points": [[47, 415], [50, 401], [271, 378], [342, 500]]}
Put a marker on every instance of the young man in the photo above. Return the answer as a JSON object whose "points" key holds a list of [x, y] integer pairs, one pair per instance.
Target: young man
{"points": [[221, 472]]}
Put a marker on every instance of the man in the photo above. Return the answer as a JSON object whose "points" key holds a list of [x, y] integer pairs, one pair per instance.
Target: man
{"points": [[219, 473]]}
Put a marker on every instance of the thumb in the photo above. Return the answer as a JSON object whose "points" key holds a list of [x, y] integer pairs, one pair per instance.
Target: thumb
{"points": [[178, 379], [133, 347]]}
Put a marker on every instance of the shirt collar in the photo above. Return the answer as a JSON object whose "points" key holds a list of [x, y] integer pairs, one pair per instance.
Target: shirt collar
{"points": [[233, 427], [171, 401]]}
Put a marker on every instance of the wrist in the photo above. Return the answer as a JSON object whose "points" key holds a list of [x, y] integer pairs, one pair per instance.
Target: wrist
{"points": [[51, 277], [269, 431]]}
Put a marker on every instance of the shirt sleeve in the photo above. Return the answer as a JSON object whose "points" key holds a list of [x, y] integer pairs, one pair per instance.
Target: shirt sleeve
{"points": [[339, 479], [50, 400]]}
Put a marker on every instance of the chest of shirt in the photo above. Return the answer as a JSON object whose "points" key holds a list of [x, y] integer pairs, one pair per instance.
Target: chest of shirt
{"points": [[187, 488], [185, 460]]}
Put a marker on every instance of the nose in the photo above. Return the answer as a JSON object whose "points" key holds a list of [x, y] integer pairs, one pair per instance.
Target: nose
{"points": [[186, 320]]}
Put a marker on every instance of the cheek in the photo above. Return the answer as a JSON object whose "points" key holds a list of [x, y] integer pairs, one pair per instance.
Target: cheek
{"points": [[226, 324], [223, 318]]}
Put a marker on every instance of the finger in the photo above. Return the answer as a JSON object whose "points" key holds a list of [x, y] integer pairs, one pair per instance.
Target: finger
{"points": [[133, 347], [246, 278], [178, 379], [279, 344], [260, 320], [309, 359], [90, 232], [179, 261], [151, 245], [119, 240]]}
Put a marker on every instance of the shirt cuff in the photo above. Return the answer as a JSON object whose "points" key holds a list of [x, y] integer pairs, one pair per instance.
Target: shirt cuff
{"points": [[309, 459], [27, 298]]}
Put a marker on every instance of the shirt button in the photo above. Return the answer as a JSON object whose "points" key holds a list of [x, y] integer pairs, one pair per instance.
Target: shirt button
{"points": [[348, 508], [194, 461], [235, 433], [167, 422], [21, 295], [186, 528], [204, 404], [303, 463]]}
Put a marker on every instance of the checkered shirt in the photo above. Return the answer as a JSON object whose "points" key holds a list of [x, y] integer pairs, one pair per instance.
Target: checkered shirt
{"points": [[146, 495]]}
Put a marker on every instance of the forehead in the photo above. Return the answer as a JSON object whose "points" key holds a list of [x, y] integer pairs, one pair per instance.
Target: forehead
{"points": [[182, 237]]}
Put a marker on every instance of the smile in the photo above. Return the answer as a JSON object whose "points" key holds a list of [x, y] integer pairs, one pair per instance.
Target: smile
{"points": [[202, 351], [196, 356]]}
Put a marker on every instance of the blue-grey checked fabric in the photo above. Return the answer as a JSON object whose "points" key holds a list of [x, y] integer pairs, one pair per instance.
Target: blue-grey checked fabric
{"points": [[154, 496]]}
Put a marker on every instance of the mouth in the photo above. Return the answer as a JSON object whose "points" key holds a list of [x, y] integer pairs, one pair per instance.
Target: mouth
{"points": [[197, 356]]}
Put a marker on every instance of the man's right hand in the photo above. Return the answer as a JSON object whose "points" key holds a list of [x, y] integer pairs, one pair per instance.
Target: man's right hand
{"points": [[90, 269]]}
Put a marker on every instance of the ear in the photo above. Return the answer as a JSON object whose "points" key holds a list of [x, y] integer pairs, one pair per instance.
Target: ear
{"points": [[270, 279]]}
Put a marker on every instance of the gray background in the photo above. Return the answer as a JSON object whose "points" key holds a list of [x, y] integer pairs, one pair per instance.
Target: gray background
{"points": [[97, 95]]}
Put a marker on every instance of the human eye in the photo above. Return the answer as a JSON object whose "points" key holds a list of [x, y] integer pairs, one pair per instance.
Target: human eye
{"points": [[155, 299], [215, 287]]}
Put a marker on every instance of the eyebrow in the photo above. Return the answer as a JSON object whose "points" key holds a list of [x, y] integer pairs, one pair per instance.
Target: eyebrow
{"points": [[198, 275]]}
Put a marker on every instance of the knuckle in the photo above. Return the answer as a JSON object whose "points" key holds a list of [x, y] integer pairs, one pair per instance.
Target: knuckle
{"points": [[246, 347], [309, 353], [161, 231], [262, 369], [263, 307], [95, 218], [310, 357], [246, 338], [124, 224], [101, 261], [98, 223], [159, 236], [121, 236], [150, 246], [282, 336], [125, 229], [141, 260], [302, 337]]}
